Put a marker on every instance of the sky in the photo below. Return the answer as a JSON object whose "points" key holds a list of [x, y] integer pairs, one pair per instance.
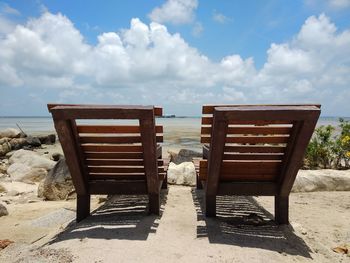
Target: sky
{"points": [[179, 54]]}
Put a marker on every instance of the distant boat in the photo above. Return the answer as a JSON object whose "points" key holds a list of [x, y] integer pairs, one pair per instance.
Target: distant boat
{"points": [[168, 116]]}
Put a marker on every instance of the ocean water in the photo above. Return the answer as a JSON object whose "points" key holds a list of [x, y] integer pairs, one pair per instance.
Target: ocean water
{"points": [[178, 132], [34, 125]]}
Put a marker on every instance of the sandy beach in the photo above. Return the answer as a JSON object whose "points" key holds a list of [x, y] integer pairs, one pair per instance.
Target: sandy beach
{"points": [[121, 230]]}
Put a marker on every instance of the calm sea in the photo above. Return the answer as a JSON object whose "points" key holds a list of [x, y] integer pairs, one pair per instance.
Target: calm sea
{"points": [[178, 132], [44, 124]]}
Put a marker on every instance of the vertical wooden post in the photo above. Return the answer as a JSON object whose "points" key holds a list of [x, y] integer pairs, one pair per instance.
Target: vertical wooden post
{"points": [[165, 181], [83, 206], [199, 185], [282, 209], [69, 146], [217, 146], [149, 145]]}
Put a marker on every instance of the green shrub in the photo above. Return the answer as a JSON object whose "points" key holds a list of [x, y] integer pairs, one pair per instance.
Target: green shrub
{"points": [[327, 150]]}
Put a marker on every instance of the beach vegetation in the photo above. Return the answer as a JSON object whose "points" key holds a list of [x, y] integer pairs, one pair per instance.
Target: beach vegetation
{"points": [[329, 149]]}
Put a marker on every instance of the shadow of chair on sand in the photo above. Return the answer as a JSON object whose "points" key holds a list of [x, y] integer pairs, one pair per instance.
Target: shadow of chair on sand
{"points": [[121, 217], [241, 221]]}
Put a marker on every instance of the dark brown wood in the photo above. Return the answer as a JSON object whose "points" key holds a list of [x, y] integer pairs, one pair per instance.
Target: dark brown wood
{"points": [[112, 148], [255, 149], [262, 159], [250, 156], [121, 176], [83, 206], [149, 143], [282, 209], [66, 137], [255, 130], [116, 162], [124, 187], [119, 169], [209, 121], [113, 155], [115, 129], [216, 154], [114, 139], [158, 111], [251, 139], [111, 159], [209, 109], [296, 158]]}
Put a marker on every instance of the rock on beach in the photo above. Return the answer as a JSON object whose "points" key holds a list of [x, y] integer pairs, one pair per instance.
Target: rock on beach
{"points": [[27, 166], [58, 184], [10, 133], [3, 210], [183, 173], [184, 155]]}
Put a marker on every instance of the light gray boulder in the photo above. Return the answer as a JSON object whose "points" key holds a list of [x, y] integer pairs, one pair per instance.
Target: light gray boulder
{"points": [[28, 167], [26, 174], [182, 174], [10, 133], [322, 180], [31, 159], [58, 183]]}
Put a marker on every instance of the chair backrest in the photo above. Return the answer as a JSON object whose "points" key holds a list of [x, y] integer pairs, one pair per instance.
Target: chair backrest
{"points": [[96, 152], [252, 143]]}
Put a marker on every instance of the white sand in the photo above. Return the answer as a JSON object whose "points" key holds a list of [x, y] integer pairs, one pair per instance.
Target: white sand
{"points": [[123, 232]]}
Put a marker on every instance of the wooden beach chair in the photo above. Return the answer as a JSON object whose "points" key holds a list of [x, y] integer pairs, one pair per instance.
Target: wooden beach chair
{"points": [[254, 150], [111, 159]]}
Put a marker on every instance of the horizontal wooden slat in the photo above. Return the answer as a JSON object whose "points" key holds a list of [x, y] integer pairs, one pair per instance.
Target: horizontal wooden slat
{"points": [[113, 129], [209, 121], [120, 176], [118, 187], [103, 169], [116, 155], [255, 149], [251, 130], [118, 162], [119, 169], [233, 165], [244, 170], [209, 109], [249, 156], [112, 148], [115, 139], [158, 111], [250, 139]]}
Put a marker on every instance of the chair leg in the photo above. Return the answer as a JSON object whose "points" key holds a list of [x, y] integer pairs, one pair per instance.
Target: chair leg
{"points": [[165, 182], [83, 207], [282, 209], [210, 206], [154, 204], [198, 183]]}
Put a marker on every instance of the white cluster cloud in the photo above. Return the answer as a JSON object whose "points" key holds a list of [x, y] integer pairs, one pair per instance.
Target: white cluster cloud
{"points": [[146, 64], [175, 12]]}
